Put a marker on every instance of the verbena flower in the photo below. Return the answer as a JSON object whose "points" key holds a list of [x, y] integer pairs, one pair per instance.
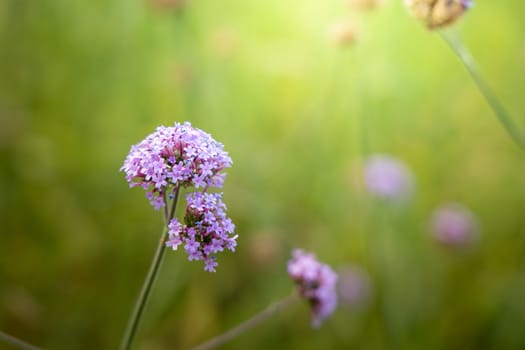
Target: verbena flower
{"points": [[438, 13], [174, 157], [315, 282], [388, 178], [454, 225], [206, 229]]}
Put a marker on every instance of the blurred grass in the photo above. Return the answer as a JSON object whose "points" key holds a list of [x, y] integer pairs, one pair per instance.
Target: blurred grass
{"points": [[82, 81]]}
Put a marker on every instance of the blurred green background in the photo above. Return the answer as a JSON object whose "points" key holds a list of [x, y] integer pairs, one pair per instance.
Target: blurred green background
{"points": [[81, 81]]}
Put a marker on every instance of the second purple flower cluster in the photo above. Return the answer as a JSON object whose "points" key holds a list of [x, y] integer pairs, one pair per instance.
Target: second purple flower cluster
{"points": [[206, 229]]}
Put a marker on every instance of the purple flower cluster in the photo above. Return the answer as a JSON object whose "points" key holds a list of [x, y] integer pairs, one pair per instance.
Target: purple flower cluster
{"points": [[184, 156], [388, 178], [176, 156], [206, 229], [316, 283]]}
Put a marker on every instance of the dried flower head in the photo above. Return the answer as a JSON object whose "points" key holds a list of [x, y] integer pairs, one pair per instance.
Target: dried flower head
{"points": [[454, 225], [206, 229], [438, 13], [343, 33], [388, 178], [174, 157], [315, 282]]}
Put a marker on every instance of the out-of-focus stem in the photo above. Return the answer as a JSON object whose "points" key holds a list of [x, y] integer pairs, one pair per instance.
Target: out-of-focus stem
{"points": [[16, 342], [466, 58], [248, 324]]}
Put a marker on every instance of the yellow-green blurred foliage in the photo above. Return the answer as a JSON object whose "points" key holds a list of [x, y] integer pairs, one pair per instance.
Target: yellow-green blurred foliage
{"points": [[297, 108]]}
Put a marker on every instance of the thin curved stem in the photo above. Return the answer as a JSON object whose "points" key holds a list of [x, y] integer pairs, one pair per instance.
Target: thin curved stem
{"points": [[142, 300], [16, 342], [144, 293], [248, 324], [466, 58]]}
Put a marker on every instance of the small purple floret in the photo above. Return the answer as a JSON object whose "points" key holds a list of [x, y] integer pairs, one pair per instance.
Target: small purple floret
{"points": [[316, 283]]}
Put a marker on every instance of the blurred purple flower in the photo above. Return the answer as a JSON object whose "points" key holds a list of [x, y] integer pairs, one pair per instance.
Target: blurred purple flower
{"points": [[388, 178], [353, 286], [454, 225], [172, 157], [206, 229], [316, 283]]}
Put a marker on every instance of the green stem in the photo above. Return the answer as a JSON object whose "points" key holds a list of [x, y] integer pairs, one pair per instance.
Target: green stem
{"points": [[16, 342], [468, 61], [142, 300], [174, 206], [248, 324]]}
